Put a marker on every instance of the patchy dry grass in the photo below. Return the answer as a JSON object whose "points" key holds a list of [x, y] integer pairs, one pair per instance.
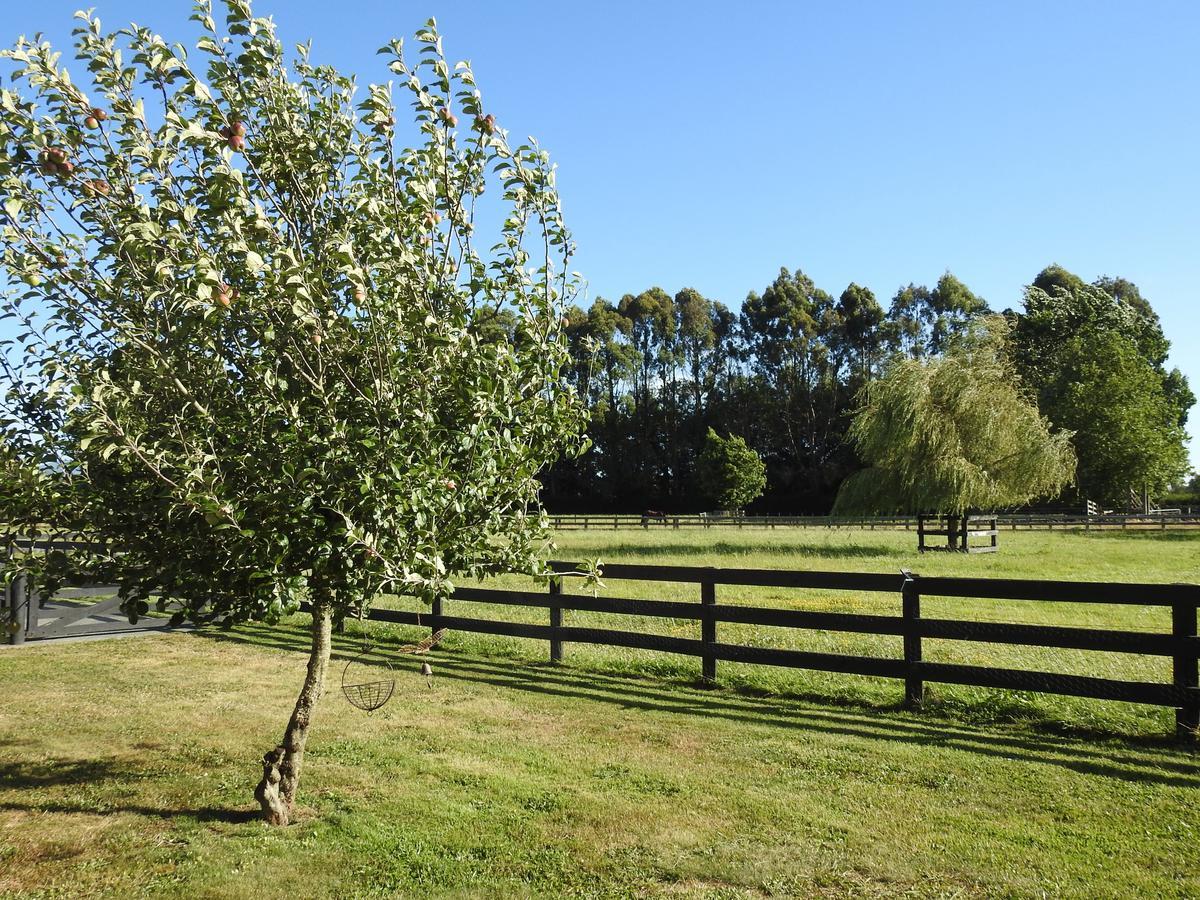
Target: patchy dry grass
{"points": [[126, 766]]}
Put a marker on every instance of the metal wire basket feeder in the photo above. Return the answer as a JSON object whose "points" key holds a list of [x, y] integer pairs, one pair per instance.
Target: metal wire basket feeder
{"points": [[368, 682]]}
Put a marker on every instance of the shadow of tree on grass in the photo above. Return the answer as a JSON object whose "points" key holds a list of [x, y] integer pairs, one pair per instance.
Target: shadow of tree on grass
{"points": [[1139, 759], [815, 550], [23, 775]]}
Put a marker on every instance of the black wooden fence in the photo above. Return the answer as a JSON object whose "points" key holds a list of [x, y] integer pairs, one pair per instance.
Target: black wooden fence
{"points": [[1006, 522], [1181, 644]]}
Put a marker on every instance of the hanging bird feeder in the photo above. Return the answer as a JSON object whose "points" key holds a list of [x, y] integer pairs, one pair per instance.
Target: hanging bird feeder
{"points": [[368, 680]]}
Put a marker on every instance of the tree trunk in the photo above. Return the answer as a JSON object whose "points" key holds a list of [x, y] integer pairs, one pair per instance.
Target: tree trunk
{"points": [[281, 766]]}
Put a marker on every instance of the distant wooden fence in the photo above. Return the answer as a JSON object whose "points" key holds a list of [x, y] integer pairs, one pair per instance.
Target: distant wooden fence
{"points": [[1009, 522], [1181, 644]]}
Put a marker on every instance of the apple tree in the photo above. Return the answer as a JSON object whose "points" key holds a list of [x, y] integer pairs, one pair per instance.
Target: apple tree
{"points": [[247, 351]]}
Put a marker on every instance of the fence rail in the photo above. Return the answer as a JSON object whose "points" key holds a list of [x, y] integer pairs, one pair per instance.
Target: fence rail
{"points": [[1181, 644], [1010, 522]]}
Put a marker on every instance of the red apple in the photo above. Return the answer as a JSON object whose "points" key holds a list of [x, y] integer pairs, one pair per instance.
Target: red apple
{"points": [[448, 117], [237, 142]]}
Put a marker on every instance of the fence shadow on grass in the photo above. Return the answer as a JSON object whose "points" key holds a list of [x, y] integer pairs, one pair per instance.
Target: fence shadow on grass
{"points": [[1136, 759], [815, 549], [1144, 535]]}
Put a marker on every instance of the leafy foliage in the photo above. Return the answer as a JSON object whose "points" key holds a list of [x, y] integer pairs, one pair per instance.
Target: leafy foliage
{"points": [[266, 352], [952, 434], [659, 371], [254, 352], [925, 322], [1095, 356], [730, 473], [1127, 432], [785, 372]]}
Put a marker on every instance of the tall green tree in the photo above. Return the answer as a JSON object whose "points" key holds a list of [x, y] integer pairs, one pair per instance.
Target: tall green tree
{"points": [[924, 322], [1126, 430], [1073, 341], [860, 318], [651, 317], [260, 356], [728, 472], [788, 330], [952, 434], [696, 336]]}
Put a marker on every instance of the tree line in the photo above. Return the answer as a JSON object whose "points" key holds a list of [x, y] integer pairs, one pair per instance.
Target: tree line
{"points": [[787, 372]]}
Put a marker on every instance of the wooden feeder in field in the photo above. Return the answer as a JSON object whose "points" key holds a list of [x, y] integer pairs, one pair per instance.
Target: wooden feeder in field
{"points": [[958, 532]]}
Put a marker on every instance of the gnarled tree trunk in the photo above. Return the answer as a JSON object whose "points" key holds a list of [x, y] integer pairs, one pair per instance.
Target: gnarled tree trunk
{"points": [[281, 765]]}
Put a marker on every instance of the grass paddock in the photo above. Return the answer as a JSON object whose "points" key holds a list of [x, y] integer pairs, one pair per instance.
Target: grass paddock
{"points": [[126, 766]]}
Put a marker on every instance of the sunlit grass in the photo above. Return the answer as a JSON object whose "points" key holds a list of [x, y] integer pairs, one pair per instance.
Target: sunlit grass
{"points": [[126, 766], [126, 770]]}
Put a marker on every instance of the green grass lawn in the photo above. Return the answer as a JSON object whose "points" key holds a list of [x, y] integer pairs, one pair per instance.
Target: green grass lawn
{"points": [[126, 766]]}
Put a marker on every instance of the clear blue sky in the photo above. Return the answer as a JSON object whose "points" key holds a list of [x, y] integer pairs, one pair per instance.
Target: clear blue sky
{"points": [[708, 144]]}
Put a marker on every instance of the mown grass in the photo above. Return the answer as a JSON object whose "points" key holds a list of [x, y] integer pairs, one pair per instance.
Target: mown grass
{"points": [[126, 766]]}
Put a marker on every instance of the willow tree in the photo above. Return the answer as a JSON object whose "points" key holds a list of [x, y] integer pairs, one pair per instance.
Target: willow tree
{"points": [[250, 359], [953, 433]]}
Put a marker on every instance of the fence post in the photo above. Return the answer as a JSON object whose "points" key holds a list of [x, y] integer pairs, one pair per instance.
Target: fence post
{"points": [[555, 621], [435, 614], [17, 634], [914, 686], [24, 616], [708, 629], [1186, 669]]}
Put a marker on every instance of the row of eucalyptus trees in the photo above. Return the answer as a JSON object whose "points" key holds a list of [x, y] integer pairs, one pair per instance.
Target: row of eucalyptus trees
{"points": [[785, 371], [657, 371]]}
